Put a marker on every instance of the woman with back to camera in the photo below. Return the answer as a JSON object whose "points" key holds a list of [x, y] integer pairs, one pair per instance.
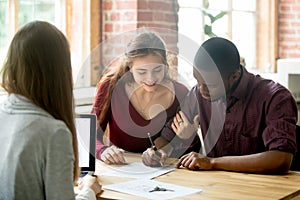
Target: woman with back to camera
{"points": [[134, 99], [38, 151]]}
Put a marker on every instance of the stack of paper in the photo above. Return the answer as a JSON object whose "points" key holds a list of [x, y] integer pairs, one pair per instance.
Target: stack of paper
{"points": [[137, 170], [143, 186], [148, 189]]}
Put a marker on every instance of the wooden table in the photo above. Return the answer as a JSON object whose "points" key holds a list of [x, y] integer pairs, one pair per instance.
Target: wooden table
{"points": [[215, 184]]}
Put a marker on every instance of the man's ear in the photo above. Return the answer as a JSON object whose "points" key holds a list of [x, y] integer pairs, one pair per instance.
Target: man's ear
{"points": [[235, 77]]}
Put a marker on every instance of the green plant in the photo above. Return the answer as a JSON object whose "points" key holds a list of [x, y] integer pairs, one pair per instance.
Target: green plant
{"points": [[208, 27]]}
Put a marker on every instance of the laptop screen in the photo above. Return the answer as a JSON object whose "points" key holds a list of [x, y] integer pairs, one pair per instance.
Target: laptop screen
{"points": [[86, 138]]}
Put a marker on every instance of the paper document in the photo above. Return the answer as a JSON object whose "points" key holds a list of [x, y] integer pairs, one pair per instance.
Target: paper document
{"points": [[151, 189], [137, 170]]}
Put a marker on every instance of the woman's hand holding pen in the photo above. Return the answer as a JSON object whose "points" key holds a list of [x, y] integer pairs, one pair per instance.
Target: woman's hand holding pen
{"points": [[113, 155], [154, 158], [182, 127]]}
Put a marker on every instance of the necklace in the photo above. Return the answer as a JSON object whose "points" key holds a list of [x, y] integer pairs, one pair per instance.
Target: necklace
{"points": [[143, 108]]}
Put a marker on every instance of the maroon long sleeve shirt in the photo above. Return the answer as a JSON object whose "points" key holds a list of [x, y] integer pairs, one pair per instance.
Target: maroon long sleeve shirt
{"points": [[127, 128], [260, 115]]}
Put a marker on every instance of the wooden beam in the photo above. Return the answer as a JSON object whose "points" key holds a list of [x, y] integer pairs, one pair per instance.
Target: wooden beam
{"points": [[267, 35], [96, 39]]}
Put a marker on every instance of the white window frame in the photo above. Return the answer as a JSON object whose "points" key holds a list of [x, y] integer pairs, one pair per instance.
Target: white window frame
{"points": [[185, 68]]}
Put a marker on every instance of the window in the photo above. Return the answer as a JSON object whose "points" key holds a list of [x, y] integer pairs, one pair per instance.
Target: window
{"points": [[4, 31], [190, 37], [237, 25], [16, 13], [72, 17], [244, 23]]}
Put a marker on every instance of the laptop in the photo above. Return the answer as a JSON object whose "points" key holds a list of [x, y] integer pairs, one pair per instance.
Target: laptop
{"points": [[86, 139]]}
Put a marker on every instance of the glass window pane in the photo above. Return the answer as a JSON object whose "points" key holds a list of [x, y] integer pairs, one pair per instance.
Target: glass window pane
{"points": [[218, 4], [249, 5], [187, 33], [220, 26], [243, 29], [188, 15], [45, 10], [238, 26], [26, 12], [3, 30], [190, 3], [36, 10]]}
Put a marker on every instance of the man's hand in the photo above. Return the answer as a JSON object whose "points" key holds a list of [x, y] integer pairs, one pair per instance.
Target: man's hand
{"points": [[195, 161]]}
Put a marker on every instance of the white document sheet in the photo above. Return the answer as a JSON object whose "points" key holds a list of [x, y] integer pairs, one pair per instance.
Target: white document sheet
{"points": [[146, 189], [137, 170]]}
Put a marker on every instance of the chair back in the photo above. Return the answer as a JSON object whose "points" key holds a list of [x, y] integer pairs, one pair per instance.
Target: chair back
{"points": [[296, 159]]}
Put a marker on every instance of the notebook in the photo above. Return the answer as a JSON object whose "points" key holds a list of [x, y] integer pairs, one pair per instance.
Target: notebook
{"points": [[86, 138]]}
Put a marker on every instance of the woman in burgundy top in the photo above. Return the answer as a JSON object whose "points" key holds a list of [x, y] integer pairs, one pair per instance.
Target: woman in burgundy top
{"points": [[135, 99]]}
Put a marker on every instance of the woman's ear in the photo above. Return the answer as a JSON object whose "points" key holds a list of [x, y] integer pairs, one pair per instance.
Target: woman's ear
{"points": [[128, 69]]}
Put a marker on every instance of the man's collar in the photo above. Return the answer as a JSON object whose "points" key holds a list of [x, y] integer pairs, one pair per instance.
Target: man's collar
{"points": [[241, 88]]}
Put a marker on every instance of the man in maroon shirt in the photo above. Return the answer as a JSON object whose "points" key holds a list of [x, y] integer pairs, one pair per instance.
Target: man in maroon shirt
{"points": [[248, 124]]}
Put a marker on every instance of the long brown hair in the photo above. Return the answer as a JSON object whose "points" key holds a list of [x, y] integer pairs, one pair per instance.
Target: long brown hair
{"points": [[38, 66], [143, 44]]}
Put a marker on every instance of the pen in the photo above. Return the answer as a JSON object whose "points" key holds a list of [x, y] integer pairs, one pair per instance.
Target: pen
{"points": [[152, 144], [154, 147], [199, 132]]}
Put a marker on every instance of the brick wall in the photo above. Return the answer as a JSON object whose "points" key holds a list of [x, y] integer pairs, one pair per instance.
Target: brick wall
{"points": [[289, 28], [127, 15], [120, 16]]}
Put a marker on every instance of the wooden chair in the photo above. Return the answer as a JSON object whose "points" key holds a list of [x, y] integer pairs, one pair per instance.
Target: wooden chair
{"points": [[296, 160]]}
